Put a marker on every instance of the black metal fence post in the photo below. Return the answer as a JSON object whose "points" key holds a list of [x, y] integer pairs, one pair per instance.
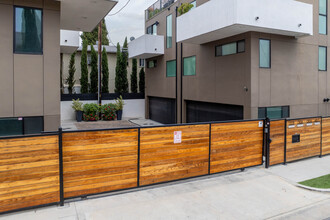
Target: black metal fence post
{"points": [[60, 133], [138, 161], [285, 133], [267, 141]]}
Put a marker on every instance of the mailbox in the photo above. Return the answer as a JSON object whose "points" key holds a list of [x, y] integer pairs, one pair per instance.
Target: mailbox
{"points": [[296, 138]]}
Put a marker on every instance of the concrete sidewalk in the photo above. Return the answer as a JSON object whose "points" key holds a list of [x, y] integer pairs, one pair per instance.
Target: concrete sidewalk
{"points": [[256, 193], [303, 170]]}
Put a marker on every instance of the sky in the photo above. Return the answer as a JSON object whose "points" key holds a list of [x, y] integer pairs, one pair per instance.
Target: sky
{"points": [[128, 22]]}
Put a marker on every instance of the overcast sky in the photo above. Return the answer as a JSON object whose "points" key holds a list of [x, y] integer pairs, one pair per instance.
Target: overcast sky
{"points": [[129, 22]]}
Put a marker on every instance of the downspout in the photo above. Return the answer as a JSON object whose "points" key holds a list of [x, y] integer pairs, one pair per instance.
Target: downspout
{"points": [[176, 65]]}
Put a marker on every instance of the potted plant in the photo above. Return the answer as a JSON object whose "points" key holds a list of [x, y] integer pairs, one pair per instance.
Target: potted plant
{"points": [[91, 112], [78, 107], [119, 107], [108, 112]]}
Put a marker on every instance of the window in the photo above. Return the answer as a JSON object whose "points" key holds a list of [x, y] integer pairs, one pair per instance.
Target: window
{"points": [[171, 68], [141, 62], [323, 13], [169, 31], [189, 66], [322, 58], [264, 53], [274, 112], [21, 126], [231, 48], [152, 63], [152, 30], [28, 30]]}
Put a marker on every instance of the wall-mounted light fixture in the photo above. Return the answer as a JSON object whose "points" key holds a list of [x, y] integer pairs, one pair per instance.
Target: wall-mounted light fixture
{"points": [[257, 18], [326, 100], [157, 23], [299, 25]]}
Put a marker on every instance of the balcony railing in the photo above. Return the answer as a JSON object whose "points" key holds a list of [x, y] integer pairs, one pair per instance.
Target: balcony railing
{"points": [[158, 7]]}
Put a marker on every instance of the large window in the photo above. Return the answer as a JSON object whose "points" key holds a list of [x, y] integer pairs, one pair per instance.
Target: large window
{"points": [[264, 53], [322, 58], [189, 66], [28, 30], [169, 31], [171, 68], [323, 13], [141, 62], [231, 48], [274, 112]]}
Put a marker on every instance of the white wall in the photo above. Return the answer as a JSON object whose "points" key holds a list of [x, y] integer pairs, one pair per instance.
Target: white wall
{"points": [[69, 41], [217, 19], [146, 46], [133, 108]]}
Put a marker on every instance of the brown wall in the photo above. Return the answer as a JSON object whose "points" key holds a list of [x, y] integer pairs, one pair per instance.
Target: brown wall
{"points": [[293, 78], [29, 84]]}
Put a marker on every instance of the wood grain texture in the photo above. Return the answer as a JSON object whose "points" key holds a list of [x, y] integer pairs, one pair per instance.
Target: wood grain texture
{"points": [[29, 172], [277, 146], [99, 161], [325, 136], [310, 139], [236, 145], [161, 160]]}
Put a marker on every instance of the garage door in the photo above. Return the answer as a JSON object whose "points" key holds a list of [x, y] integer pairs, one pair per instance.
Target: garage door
{"points": [[162, 110], [206, 112]]}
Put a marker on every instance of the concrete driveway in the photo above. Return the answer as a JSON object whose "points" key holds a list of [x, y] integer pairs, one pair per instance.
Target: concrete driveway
{"points": [[256, 193]]}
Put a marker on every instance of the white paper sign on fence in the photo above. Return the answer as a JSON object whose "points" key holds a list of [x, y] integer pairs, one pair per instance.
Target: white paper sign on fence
{"points": [[177, 137]]}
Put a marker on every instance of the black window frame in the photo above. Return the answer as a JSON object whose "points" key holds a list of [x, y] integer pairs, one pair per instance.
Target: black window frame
{"points": [[42, 30], [237, 52], [282, 111], [326, 18], [270, 54], [141, 62], [326, 59]]}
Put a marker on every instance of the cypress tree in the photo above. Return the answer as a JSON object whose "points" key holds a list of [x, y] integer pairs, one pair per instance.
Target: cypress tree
{"points": [[105, 72], [134, 86], [118, 88], [124, 61], [94, 71], [92, 37], [72, 69], [84, 69], [142, 81]]}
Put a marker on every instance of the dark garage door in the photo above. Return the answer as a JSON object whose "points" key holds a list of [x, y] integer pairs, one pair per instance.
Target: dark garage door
{"points": [[206, 112], [162, 110]]}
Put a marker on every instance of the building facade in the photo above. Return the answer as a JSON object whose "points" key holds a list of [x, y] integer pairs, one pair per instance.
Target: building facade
{"points": [[30, 46], [112, 60], [235, 59]]}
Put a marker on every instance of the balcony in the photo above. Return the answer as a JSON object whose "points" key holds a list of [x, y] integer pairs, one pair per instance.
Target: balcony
{"points": [[69, 41], [157, 7], [146, 46], [84, 15], [218, 19]]}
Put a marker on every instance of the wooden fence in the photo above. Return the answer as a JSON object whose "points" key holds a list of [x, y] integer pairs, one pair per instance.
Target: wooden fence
{"points": [[46, 169]]}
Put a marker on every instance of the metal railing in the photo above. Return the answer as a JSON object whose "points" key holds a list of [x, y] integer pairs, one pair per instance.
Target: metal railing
{"points": [[158, 7]]}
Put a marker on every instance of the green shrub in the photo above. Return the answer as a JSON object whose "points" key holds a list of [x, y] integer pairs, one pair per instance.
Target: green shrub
{"points": [[108, 112], [184, 8], [91, 112], [119, 103], [77, 105]]}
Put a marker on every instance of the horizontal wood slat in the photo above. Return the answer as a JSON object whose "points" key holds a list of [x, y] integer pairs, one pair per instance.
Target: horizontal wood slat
{"points": [[162, 160], [310, 138], [325, 136], [235, 145], [277, 146], [29, 172], [99, 161]]}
